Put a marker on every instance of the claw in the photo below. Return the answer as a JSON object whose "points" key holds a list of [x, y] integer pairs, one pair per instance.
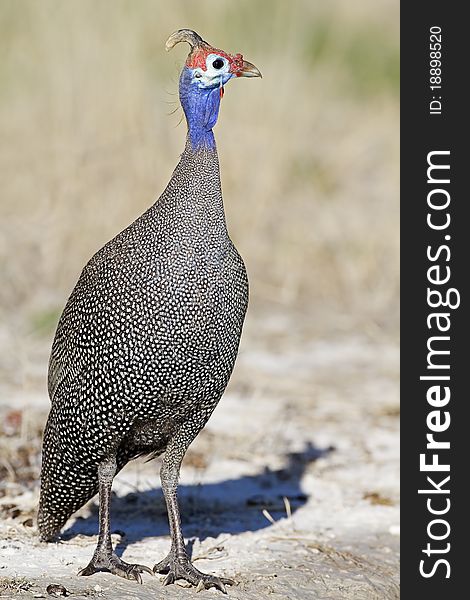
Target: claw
{"points": [[88, 570], [135, 571], [216, 583], [115, 565], [133, 574], [170, 578], [179, 567]]}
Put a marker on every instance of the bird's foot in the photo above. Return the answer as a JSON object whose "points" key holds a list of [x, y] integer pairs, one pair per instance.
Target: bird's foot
{"points": [[178, 566], [113, 564]]}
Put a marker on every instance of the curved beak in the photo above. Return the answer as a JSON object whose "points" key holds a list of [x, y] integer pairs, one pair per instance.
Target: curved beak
{"points": [[248, 70]]}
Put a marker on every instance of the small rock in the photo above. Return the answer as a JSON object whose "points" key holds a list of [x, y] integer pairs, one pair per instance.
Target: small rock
{"points": [[182, 583], [57, 590]]}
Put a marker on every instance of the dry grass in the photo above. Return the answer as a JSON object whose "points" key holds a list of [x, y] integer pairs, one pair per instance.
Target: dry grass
{"points": [[10, 586], [20, 442], [309, 154]]}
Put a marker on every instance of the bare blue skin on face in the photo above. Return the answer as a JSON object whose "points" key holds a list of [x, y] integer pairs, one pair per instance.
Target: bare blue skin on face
{"points": [[201, 106]]}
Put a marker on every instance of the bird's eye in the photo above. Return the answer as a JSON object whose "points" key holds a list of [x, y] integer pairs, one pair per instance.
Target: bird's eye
{"points": [[218, 63], [197, 75]]}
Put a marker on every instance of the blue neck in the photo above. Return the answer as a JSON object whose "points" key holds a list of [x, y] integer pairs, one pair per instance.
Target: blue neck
{"points": [[201, 107]]}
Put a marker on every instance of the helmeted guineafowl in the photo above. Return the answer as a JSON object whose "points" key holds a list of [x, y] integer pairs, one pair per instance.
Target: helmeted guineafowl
{"points": [[148, 338]]}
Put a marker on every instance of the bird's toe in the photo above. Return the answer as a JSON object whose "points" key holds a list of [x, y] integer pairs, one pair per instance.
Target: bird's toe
{"points": [[116, 566], [90, 569], [178, 568], [209, 581], [132, 572]]}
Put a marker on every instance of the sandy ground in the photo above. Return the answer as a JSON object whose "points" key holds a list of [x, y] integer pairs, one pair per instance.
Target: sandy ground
{"points": [[291, 490]]}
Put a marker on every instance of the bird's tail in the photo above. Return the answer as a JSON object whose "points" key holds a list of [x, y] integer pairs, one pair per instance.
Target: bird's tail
{"points": [[62, 495], [66, 486]]}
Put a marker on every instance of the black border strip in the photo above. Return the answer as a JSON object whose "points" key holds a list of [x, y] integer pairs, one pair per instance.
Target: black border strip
{"points": [[422, 133]]}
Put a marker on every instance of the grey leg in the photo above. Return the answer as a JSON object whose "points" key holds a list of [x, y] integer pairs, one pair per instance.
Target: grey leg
{"points": [[104, 557], [177, 564]]}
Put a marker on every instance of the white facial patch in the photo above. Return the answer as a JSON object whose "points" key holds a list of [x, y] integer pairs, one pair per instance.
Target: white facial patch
{"points": [[216, 73]]}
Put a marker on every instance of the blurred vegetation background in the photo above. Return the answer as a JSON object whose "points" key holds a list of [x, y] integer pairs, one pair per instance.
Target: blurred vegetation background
{"points": [[309, 154]]}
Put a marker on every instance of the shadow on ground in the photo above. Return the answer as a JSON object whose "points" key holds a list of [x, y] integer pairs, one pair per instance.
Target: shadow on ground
{"points": [[209, 509]]}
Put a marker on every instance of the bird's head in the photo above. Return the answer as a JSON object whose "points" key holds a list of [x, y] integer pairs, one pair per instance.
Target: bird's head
{"points": [[206, 71]]}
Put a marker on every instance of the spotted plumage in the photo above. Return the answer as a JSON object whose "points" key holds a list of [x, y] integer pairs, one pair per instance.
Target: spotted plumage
{"points": [[148, 339]]}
